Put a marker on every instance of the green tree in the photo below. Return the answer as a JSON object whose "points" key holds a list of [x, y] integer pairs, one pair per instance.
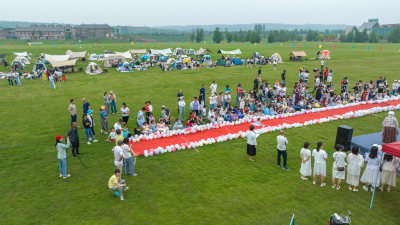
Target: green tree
{"points": [[394, 36], [271, 37], [217, 35], [228, 36], [200, 35], [192, 36], [372, 37]]}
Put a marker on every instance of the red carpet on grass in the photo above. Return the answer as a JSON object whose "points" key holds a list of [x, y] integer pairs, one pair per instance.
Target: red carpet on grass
{"points": [[139, 147]]}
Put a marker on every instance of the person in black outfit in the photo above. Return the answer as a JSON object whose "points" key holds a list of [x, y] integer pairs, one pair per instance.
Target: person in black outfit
{"points": [[318, 95], [74, 138], [259, 71], [256, 81], [284, 77]]}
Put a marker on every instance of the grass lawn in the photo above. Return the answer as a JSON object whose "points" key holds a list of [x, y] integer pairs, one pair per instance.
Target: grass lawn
{"points": [[216, 185]]}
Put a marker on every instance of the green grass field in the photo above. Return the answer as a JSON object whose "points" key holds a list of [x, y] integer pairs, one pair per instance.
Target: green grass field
{"points": [[216, 185]]}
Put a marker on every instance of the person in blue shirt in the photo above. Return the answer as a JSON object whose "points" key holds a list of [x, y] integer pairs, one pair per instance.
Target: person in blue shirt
{"points": [[203, 94], [228, 117], [178, 125], [85, 106]]}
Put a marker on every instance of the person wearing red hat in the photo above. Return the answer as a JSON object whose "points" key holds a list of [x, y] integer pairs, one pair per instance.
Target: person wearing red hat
{"points": [[62, 155]]}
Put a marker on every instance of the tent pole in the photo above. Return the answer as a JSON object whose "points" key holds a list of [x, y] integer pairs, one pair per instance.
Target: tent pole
{"points": [[376, 180]]}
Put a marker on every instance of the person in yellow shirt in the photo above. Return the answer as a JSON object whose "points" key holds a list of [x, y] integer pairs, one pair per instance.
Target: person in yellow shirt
{"points": [[117, 185], [118, 136]]}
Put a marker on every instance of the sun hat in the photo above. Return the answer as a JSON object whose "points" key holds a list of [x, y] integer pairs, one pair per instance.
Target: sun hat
{"points": [[58, 137], [102, 107]]}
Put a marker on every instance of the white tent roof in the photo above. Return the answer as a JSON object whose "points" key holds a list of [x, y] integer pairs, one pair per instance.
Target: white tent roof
{"points": [[126, 54], [93, 69], [233, 52], [277, 57], [22, 59], [62, 63], [138, 51], [22, 54], [56, 57], [73, 55], [166, 51]]}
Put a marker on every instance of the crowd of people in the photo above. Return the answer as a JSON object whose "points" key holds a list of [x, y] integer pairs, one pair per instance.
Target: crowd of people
{"points": [[213, 105]]}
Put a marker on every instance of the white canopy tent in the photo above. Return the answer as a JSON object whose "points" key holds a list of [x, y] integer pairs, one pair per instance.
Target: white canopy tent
{"points": [[110, 59], [56, 57], [22, 54], [63, 63], [233, 52], [166, 51], [138, 51], [126, 54], [73, 55]]}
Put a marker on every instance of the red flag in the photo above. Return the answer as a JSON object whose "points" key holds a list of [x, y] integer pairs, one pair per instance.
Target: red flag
{"points": [[176, 42], [240, 43], [96, 43], [334, 46], [147, 42], [8, 44], [123, 43], [299, 45], [381, 48], [114, 42]]}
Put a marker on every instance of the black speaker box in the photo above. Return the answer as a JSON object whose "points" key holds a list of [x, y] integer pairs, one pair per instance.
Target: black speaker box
{"points": [[343, 136]]}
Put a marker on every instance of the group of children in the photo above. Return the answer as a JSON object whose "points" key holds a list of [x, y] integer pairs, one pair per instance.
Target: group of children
{"points": [[354, 162]]}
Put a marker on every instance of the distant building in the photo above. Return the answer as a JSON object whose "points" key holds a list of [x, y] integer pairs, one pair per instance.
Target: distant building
{"points": [[349, 29], [94, 31], [385, 29], [42, 32], [7, 33], [369, 26]]}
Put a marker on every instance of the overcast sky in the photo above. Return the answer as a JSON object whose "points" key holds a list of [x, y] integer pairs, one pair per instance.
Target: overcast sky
{"points": [[201, 12]]}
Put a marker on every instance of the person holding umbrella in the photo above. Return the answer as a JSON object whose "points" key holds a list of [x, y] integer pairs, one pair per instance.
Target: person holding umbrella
{"points": [[62, 155]]}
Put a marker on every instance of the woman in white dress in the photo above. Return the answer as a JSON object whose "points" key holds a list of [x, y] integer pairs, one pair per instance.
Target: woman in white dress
{"points": [[354, 164], [305, 154], [330, 75], [338, 168], [389, 168], [320, 157], [371, 170]]}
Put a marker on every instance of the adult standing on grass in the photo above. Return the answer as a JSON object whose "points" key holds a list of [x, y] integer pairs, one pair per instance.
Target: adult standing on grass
{"points": [[322, 64], [239, 92], [320, 157], [87, 127], [118, 155], [251, 143], [275, 63], [113, 102], [179, 96], [125, 113], [72, 110], [203, 94], [51, 79], [390, 128], [181, 109], [338, 168], [106, 99], [281, 147], [85, 105], [117, 185], [74, 138], [355, 162], [62, 155], [213, 88], [256, 82], [128, 160], [103, 119], [283, 75], [140, 118]]}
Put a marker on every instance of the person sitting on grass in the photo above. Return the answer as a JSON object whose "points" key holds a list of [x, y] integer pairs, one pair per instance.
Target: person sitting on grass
{"points": [[117, 185], [178, 125]]}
